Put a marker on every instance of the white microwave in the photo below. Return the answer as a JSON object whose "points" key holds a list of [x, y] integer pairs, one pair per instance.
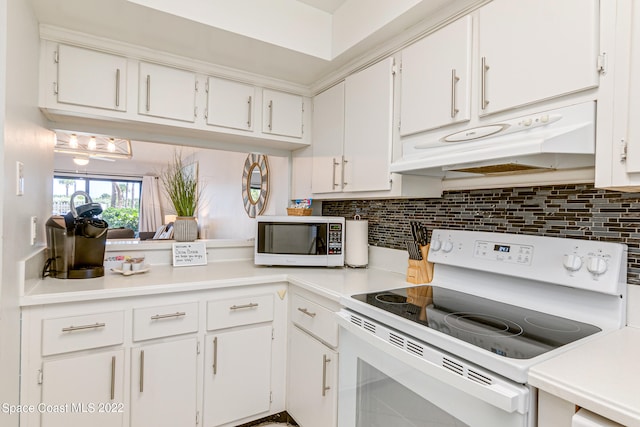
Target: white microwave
{"points": [[300, 241]]}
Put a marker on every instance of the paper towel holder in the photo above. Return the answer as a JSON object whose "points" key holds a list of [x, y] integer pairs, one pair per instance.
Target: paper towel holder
{"points": [[357, 243]]}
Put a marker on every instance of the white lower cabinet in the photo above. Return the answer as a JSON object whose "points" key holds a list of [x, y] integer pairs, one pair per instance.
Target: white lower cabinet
{"points": [[206, 358], [313, 381], [237, 381], [237, 374], [83, 390], [164, 384]]}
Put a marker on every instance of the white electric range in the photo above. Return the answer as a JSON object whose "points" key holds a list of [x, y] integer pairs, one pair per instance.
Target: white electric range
{"points": [[497, 305]]}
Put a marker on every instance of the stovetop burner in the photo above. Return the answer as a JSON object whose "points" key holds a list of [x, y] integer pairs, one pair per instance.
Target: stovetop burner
{"points": [[391, 298], [503, 329]]}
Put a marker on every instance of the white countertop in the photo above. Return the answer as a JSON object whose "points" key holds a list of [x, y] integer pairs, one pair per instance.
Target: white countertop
{"points": [[602, 375], [328, 282]]}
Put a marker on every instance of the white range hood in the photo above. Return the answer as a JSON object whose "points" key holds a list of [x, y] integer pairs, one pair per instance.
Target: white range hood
{"points": [[550, 140]]}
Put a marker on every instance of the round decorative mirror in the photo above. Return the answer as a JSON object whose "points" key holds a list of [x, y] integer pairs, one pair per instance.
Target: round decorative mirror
{"points": [[255, 184]]}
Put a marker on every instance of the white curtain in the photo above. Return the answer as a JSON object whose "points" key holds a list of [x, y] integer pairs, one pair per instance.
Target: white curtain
{"points": [[150, 213]]}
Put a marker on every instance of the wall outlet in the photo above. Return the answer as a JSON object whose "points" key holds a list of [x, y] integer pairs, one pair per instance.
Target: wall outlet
{"points": [[34, 229], [19, 179]]}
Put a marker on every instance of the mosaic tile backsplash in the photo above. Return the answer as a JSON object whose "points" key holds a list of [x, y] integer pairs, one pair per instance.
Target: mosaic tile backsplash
{"points": [[575, 211]]}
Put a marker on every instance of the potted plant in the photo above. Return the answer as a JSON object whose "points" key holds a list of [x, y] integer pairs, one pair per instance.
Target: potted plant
{"points": [[181, 185]]}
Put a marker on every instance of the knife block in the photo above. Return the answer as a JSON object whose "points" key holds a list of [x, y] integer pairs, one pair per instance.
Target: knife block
{"points": [[420, 271]]}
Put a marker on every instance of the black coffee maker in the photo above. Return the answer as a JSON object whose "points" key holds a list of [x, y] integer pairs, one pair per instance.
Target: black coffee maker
{"points": [[76, 242]]}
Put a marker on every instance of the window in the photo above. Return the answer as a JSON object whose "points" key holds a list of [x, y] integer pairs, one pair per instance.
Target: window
{"points": [[119, 198]]}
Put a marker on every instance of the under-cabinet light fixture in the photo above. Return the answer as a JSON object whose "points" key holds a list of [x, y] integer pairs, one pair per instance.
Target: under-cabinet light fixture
{"points": [[92, 146]]}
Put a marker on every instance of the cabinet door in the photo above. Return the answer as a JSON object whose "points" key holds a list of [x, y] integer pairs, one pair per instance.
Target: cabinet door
{"points": [[230, 104], [313, 381], [163, 375], [91, 78], [166, 92], [436, 79], [282, 113], [368, 128], [545, 48], [89, 388], [237, 381], [328, 138]]}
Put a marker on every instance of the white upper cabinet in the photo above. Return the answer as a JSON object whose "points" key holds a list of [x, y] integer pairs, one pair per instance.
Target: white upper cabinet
{"points": [[90, 78], [436, 79], [328, 139], [532, 50], [230, 104], [282, 113], [167, 92], [368, 128]]}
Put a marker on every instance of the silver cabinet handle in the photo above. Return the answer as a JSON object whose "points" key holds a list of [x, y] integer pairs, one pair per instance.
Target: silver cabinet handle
{"points": [[82, 327], [118, 87], [306, 311], [148, 92], [215, 356], [250, 107], [113, 377], [141, 371], [483, 86], [454, 80], [169, 315], [240, 307], [335, 165], [270, 115], [344, 167], [325, 387]]}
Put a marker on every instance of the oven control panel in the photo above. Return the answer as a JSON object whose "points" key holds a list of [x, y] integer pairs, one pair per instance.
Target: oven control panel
{"points": [[506, 252], [576, 263]]}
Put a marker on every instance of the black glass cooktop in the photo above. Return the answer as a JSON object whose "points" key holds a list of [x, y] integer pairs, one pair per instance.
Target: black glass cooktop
{"points": [[503, 329]]}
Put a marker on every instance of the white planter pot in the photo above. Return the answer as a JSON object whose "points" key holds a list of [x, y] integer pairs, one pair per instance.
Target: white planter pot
{"points": [[185, 229]]}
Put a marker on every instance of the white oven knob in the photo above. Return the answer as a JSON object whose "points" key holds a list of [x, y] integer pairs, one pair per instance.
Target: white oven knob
{"points": [[436, 245], [597, 265], [572, 262], [447, 246]]}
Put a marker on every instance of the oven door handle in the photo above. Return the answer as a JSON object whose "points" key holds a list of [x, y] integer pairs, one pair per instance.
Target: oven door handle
{"points": [[509, 399]]}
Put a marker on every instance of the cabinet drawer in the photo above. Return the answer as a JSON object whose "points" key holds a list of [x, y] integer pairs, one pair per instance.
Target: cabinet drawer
{"points": [[74, 333], [315, 319], [239, 311], [164, 321]]}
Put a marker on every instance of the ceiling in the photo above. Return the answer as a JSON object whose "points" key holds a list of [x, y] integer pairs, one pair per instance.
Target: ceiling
{"points": [[298, 41]]}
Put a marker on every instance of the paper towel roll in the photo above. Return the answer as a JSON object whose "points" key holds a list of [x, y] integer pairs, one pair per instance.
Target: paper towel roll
{"points": [[356, 243]]}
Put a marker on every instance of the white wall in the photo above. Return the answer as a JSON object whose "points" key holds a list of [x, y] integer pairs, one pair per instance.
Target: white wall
{"points": [[23, 136], [222, 214]]}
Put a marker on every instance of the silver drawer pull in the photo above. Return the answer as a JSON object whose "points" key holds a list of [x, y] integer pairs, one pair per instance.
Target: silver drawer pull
{"points": [[167, 316], [307, 312], [82, 327], [240, 307]]}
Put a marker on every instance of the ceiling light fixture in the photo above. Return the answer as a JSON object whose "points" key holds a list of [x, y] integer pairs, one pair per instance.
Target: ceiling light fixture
{"points": [[81, 161], [73, 140], [92, 146]]}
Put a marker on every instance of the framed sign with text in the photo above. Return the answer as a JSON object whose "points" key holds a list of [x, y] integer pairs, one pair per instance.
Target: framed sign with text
{"points": [[192, 253]]}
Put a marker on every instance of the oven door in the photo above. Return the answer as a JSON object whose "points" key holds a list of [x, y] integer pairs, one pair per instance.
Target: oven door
{"points": [[387, 379]]}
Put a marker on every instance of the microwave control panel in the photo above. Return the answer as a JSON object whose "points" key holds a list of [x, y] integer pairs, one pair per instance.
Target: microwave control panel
{"points": [[335, 239]]}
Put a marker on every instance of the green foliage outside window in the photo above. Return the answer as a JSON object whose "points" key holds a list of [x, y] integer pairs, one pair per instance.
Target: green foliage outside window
{"points": [[121, 217]]}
